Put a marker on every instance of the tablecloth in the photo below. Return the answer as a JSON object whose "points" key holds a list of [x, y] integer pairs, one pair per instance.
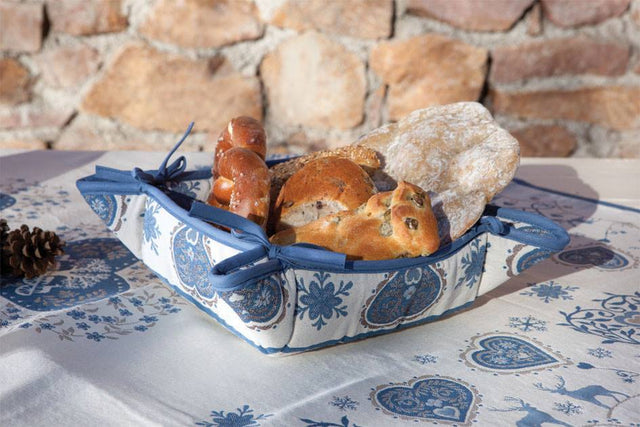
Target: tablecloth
{"points": [[102, 341]]}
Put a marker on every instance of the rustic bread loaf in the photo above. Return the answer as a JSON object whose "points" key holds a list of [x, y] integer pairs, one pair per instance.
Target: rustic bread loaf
{"points": [[456, 152], [398, 223], [321, 187]]}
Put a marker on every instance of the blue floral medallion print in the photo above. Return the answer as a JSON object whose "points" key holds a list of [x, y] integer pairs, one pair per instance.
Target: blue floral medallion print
{"points": [[616, 319], [6, 201], [428, 398], [241, 417], [472, 264], [403, 296], [597, 256], [509, 353], [261, 302], [151, 228], [191, 261], [321, 300], [106, 207], [88, 271], [131, 312]]}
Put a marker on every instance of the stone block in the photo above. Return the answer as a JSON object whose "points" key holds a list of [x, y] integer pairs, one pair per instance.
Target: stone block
{"points": [[86, 17], [614, 107], [154, 90], [370, 19], [565, 56], [65, 67], [474, 15], [428, 70], [313, 81], [20, 26], [545, 141], [566, 13], [15, 82], [203, 23]]}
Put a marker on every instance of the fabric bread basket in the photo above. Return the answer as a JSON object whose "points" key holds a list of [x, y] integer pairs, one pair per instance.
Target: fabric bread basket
{"points": [[291, 299]]}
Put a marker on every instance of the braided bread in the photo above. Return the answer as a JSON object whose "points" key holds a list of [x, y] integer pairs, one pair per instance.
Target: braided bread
{"points": [[241, 179]]}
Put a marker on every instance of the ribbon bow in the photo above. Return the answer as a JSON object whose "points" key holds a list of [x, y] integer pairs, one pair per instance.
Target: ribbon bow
{"points": [[165, 173]]}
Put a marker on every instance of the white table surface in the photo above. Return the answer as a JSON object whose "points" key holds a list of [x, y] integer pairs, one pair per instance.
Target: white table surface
{"points": [[116, 347]]}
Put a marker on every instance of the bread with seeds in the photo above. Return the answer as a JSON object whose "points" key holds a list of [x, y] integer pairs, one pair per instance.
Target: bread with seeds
{"points": [[393, 224]]}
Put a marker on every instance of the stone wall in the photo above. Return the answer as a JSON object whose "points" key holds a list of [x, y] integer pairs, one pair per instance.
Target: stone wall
{"points": [[562, 75]]}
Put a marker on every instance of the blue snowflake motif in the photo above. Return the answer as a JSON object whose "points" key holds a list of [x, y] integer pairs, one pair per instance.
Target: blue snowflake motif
{"points": [[151, 229], [425, 358], [99, 206], [344, 403], [472, 265], [322, 299], [567, 408], [599, 352], [243, 417], [550, 291], [529, 323]]}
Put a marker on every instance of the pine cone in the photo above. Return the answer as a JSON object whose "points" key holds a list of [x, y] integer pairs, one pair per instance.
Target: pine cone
{"points": [[30, 253]]}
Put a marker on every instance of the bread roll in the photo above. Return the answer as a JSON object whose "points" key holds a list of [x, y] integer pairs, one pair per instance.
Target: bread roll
{"points": [[321, 187], [245, 132], [242, 186], [393, 224]]}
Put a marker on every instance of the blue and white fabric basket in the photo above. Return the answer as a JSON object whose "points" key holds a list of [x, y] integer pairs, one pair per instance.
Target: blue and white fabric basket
{"points": [[292, 299]]}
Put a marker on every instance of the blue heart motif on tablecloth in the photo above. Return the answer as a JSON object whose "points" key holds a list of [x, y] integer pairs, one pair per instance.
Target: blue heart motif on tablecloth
{"points": [[509, 353], [597, 256], [429, 397]]}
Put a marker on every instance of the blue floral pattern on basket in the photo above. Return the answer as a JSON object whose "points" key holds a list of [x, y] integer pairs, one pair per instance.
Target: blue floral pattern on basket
{"points": [[151, 228], [104, 205], [617, 320], [260, 302], [321, 300], [402, 296], [191, 260], [472, 264]]}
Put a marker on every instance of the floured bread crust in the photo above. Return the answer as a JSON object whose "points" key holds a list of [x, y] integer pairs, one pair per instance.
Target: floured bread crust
{"points": [[456, 152], [393, 224]]}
